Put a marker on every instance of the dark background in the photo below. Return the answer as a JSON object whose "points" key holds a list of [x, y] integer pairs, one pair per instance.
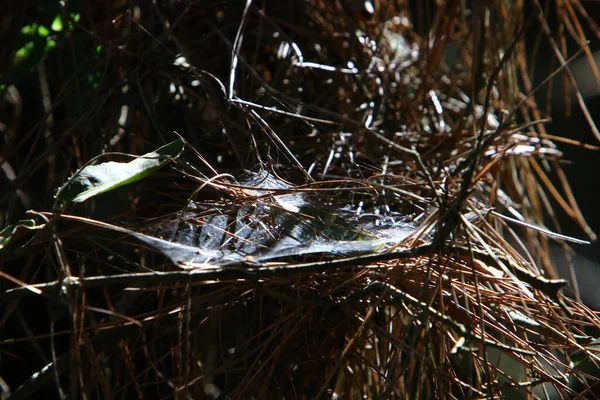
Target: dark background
{"points": [[582, 166]]}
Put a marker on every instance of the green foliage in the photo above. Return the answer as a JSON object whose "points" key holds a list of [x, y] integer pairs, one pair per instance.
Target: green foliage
{"points": [[93, 180], [17, 231], [37, 40]]}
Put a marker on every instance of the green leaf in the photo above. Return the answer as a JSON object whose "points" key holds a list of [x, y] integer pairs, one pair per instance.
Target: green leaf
{"points": [[43, 31], [26, 59], [17, 231], [24, 52], [29, 30], [57, 24], [50, 44], [97, 179]]}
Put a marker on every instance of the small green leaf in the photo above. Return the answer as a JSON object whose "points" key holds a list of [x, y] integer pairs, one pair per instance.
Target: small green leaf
{"points": [[50, 44], [17, 231], [73, 20], [43, 31], [24, 52], [57, 24], [97, 179], [29, 30]]}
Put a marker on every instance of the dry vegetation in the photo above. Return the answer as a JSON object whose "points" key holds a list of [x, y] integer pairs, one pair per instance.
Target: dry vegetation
{"points": [[357, 213]]}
